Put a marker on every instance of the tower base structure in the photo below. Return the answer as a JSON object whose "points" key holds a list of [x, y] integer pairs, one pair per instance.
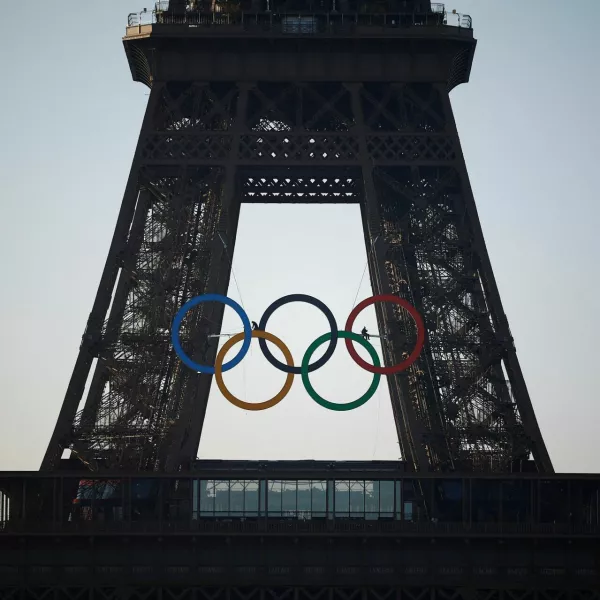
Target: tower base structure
{"points": [[299, 529]]}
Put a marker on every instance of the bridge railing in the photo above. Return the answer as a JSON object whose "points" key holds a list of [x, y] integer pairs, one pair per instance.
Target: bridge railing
{"points": [[308, 23], [445, 505], [275, 527]]}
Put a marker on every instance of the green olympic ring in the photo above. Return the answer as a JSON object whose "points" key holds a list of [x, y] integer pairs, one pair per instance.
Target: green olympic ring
{"points": [[332, 405]]}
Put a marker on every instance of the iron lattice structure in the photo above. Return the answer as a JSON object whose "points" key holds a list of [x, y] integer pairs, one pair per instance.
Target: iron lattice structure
{"points": [[175, 592], [268, 107]]}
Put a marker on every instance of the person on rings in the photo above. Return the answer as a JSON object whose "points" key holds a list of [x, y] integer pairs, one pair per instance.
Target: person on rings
{"points": [[254, 325], [365, 333]]}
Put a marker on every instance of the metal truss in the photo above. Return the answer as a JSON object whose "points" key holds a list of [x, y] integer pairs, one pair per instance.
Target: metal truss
{"points": [[206, 147], [175, 592], [138, 388], [457, 399]]}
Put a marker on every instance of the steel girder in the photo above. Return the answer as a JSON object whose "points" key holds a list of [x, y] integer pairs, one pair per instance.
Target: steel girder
{"points": [[283, 592], [204, 148]]}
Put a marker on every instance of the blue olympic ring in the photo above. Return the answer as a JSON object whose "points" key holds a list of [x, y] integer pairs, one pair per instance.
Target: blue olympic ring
{"points": [[199, 300]]}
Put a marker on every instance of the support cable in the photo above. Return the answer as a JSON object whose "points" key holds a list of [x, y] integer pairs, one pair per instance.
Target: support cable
{"points": [[359, 285], [230, 259]]}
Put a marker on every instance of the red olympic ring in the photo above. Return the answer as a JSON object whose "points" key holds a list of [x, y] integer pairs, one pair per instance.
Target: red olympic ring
{"points": [[420, 335]]}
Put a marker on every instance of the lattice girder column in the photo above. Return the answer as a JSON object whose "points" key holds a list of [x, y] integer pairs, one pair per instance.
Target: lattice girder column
{"points": [[504, 338], [62, 436], [141, 407], [191, 419], [410, 430], [458, 388]]}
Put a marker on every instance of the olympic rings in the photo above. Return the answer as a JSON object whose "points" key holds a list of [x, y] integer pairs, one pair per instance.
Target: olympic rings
{"points": [[262, 335], [413, 355], [332, 405], [309, 300], [199, 300], [305, 367]]}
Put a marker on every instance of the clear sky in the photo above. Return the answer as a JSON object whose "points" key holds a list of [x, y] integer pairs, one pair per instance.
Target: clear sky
{"points": [[529, 125]]}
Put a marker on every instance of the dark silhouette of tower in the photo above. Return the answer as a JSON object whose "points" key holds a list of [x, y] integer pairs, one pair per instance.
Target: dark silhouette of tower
{"points": [[298, 101], [295, 101]]}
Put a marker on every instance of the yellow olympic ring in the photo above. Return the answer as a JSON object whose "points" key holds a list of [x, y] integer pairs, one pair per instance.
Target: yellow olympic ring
{"points": [[249, 405]]}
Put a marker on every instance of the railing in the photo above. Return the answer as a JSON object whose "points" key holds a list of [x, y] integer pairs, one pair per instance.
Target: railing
{"points": [[304, 23], [444, 505], [291, 527]]}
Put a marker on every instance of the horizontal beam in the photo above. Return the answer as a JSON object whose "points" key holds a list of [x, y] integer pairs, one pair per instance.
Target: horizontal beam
{"points": [[284, 561]]}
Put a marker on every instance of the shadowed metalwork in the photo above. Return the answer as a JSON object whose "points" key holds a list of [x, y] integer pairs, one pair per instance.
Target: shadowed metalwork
{"points": [[289, 101], [320, 107]]}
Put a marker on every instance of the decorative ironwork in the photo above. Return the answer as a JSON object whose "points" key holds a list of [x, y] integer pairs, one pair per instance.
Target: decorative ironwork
{"points": [[178, 592], [415, 148], [421, 220], [182, 148], [302, 22], [302, 134], [316, 148], [137, 388]]}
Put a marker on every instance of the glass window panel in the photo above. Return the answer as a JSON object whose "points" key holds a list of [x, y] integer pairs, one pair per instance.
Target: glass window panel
{"points": [[111, 490], [175, 499], [423, 497], [304, 500], [449, 500], [409, 489], [342, 498], [236, 498], [554, 502], [206, 492], [357, 498], [485, 501], [221, 498], [409, 499], [144, 498], [319, 499], [516, 501], [263, 496], [372, 499], [585, 503], [251, 498], [398, 503], [289, 490], [386, 499], [274, 498]]}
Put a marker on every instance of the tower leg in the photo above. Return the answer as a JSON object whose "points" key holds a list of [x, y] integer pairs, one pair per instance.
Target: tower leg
{"points": [[500, 321], [409, 430], [462, 403], [196, 398], [175, 240], [89, 347]]}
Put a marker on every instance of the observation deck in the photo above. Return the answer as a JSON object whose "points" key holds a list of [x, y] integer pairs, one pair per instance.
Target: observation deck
{"points": [[342, 41], [309, 523]]}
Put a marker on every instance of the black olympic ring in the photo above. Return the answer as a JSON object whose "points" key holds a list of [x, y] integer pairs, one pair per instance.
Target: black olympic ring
{"points": [[309, 300]]}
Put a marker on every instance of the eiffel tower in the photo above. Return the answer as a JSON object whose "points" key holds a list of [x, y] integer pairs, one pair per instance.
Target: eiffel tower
{"points": [[283, 101], [274, 107]]}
